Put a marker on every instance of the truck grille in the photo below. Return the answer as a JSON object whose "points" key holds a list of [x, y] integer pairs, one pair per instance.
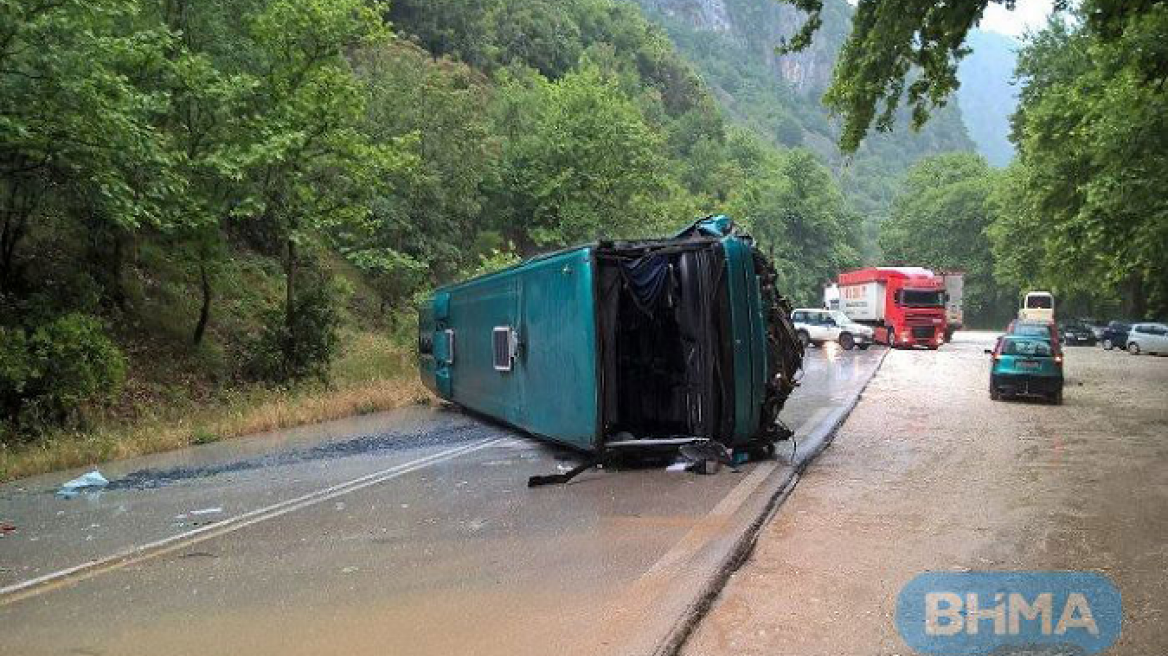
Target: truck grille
{"points": [[922, 332]]}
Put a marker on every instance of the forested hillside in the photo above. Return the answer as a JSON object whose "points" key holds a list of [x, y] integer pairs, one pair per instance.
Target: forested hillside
{"points": [[206, 204], [732, 44]]}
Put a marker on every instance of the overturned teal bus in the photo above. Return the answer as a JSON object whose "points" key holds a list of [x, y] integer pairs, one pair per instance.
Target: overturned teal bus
{"points": [[622, 343]]}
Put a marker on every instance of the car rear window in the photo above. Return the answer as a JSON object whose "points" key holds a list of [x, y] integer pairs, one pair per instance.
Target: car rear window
{"points": [[1036, 347], [1032, 329]]}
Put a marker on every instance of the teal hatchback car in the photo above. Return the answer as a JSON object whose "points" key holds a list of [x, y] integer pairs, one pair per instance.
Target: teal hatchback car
{"points": [[1026, 366]]}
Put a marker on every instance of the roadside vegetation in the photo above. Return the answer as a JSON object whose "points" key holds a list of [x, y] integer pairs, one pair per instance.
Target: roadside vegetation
{"points": [[216, 217]]}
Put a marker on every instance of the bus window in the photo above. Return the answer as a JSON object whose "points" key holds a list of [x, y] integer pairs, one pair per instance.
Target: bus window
{"points": [[1039, 302]]}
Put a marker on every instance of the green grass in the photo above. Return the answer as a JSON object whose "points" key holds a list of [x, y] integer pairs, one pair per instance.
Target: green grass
{"points": [[373, 374]]}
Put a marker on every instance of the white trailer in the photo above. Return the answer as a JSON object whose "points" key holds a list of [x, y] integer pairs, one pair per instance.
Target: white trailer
{"points": [[863, 302], [954, 302]]}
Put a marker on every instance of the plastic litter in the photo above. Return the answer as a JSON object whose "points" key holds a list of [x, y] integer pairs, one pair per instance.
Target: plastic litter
{"points": [[207, 511], [677, 467], [93, 479]]}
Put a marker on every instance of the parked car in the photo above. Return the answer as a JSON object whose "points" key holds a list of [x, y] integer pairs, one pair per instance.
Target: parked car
{"points": [[1148, 338], [1026, 365], [1074, 334], [1043, 329], [819, 326], [1096, 326], [1115, 335]]}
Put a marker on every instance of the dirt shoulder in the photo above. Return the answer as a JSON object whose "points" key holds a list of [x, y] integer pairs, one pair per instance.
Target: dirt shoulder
{"points": [[929, 474]]}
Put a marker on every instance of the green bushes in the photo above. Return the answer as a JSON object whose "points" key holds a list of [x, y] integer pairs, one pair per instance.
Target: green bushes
{"points": [[299, 342], [48, 374]]}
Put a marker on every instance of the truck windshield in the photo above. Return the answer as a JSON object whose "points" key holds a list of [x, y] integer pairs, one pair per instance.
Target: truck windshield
{"points": [[922, 298]]}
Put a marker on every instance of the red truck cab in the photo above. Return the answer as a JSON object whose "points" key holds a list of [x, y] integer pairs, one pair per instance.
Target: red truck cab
{"points": [[905, 305]]}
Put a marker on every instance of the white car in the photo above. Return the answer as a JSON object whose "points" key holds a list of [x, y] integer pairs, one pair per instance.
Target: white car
{"points": [[1148, 338], [819, 326]]}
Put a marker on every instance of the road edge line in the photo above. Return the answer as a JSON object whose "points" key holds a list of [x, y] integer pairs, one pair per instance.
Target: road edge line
{"points": [[820, 438]]}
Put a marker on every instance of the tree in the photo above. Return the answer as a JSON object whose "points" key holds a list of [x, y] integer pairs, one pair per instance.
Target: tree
{"points": [[425, 214], [794, 208], [581, 163], [1091, 130], [77, 134], [1016, 239], [939, 220], [309, 166], [910, 49]]}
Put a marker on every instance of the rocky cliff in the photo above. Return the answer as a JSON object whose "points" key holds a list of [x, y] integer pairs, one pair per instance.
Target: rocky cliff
{"points": [[732, 43], [758, 26]]}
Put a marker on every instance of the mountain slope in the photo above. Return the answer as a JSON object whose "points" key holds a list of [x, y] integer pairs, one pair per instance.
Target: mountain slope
{"points": [[986, 96], [732, 45]]}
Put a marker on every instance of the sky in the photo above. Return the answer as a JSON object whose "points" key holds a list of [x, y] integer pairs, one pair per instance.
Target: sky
{"points": [[1027, 15]]}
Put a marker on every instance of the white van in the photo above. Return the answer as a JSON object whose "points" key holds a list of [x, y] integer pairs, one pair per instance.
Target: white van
{"points": [[1037, 306]]}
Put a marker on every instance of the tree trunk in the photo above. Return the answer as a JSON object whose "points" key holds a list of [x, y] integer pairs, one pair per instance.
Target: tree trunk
{"points": [[205, 309], [290, 304], [10, 233], [13, 229], [290, 279], [113, 261], [1137, 300]]}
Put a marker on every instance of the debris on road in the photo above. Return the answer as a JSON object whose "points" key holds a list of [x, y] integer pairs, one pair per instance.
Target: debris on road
{"points": [[207, 511], [707, 457], [6, 528], [93, 479]]}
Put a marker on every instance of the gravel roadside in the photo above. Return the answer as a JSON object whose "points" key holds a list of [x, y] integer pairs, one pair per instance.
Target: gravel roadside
{"points": [[929, 474]]}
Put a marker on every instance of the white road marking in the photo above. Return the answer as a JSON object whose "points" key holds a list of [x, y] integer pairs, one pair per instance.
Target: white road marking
{"points": [[32, 587]]}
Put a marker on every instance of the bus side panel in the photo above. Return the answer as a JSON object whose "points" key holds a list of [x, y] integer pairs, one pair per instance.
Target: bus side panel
{"points": [[475, 310], [559, 354], [550, 389]]}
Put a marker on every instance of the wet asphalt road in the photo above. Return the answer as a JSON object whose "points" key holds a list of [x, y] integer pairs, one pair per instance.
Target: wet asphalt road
{"points": [[929, 474], [409, 532]]}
